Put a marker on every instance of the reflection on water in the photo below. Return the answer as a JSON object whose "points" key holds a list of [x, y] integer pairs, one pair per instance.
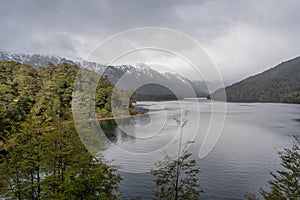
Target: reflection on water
{"points": [[298, 119], [113, 132], [239, 163]]}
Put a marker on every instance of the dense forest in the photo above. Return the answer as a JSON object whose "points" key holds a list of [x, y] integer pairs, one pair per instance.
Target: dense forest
{"points": [[278, 84], [42, 156]]}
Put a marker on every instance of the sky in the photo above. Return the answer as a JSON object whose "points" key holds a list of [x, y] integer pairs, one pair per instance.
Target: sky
{"points": [[242, 37]]}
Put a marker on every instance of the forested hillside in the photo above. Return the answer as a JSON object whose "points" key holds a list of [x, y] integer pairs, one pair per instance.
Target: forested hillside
{"points": [[42, 156], [136, 75], [278, 84]]}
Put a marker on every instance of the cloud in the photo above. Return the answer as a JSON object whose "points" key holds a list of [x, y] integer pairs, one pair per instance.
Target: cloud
{"points": [[242, 37], [247, 50]]}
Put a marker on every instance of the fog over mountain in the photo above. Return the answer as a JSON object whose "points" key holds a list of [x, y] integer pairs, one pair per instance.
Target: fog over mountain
{"points": [[278, 84], [241, 37]]}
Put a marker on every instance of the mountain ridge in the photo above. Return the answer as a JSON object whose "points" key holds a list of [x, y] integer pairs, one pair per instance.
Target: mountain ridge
{"points": [[280, 83], [137, 75]]}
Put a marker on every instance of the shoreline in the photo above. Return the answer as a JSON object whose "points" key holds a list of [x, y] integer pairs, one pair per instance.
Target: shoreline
{"points": [[50, 128], [119, 117]]}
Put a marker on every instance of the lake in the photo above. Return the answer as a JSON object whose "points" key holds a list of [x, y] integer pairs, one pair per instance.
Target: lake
{"points": [[238, 164]]}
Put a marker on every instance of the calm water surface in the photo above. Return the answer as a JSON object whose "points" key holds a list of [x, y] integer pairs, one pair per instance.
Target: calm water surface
{"points": [[238, 164]]}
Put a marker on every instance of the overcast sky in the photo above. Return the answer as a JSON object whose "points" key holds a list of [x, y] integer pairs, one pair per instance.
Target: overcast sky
{"points": [[241, 37]]}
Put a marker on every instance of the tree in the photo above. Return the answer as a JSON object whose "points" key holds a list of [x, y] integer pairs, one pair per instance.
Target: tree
{"points": [[286, 182], [177, 178], [44, 158], [170, 185], [20, 167], [18, 86], [52, 163], [72, 172]]}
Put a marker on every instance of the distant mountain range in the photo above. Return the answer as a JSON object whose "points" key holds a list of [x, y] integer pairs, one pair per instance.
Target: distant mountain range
{"points": [[159, 83], [278, 84], [35, 60]]}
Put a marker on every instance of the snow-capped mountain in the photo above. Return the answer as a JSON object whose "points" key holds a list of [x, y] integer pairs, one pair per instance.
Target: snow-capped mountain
{"points": [[35, 60], [158, 83]]}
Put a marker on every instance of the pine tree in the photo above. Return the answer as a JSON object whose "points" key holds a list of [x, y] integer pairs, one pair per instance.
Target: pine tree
{"points": [[72, 172], [44, 158], [20, 167], [166, 178], [177, 178], [53, 164], [286, 182]]}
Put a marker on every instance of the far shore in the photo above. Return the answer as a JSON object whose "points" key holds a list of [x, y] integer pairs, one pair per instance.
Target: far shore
{"points": [[119, 117]]}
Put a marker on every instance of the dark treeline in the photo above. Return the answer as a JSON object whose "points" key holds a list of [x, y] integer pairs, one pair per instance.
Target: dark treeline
{"points": [[278, 84]]}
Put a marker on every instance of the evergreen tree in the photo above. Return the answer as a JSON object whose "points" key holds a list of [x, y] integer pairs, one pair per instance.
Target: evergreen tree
{"points": [[44, 157], [167, 176], [177, 178], [20, 167], [286, 182], [52, 163]]}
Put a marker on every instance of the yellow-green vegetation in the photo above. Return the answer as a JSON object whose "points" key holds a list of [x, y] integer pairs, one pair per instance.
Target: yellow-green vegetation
{"points": [[42, 156]]}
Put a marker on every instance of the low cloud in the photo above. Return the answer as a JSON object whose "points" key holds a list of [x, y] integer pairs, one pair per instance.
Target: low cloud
{"points": [[242, 37]]}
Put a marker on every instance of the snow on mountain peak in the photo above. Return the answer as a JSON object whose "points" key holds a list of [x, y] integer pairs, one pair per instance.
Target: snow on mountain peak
{"points": [[140, 72]]}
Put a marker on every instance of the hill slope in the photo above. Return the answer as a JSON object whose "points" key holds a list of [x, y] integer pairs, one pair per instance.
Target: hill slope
{"points": [[278, 84]]}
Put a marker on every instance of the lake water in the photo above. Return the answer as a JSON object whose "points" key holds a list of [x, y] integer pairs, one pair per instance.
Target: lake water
{"points": [[238, 164]]}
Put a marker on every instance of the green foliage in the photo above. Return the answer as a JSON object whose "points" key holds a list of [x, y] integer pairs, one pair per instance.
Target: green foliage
{"points": [[293, 97], [57, 87], [177, 178], [109, 99], [167, 174], [122, 102], [286, 182], [18, 85], [103, 96], [20, 167], [105, 113], [55, 165], [43, 156], [43, 93]]}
